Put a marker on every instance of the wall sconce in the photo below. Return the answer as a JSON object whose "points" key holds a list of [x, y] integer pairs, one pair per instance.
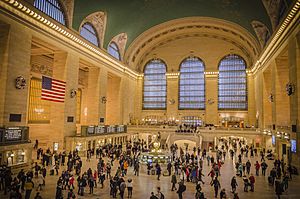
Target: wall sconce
{"points": [[271, 97], [171, 101], [210, 101], [103, 100], [290, 88]]}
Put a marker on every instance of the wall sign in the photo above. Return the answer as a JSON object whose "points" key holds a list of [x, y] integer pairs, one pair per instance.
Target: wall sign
{"points": [[13, 134]]}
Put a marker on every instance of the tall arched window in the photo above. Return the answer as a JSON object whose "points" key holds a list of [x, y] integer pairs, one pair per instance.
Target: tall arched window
{"points": [[89, 33], [232, 83], [52, 8], [192, 84], [155, 85], [113, 50]]}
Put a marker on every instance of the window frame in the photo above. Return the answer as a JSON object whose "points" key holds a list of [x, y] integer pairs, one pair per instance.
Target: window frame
{"points": [[117, 50], [60, 8], [194, 96], [143, 88], [246, 86], [95, 33]]}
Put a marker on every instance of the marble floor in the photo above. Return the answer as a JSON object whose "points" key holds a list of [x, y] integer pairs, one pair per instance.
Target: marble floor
{"points": [[143, 184]]}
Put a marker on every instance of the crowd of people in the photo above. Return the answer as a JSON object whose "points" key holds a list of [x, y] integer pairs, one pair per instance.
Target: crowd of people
{"points": [[185, 167]]}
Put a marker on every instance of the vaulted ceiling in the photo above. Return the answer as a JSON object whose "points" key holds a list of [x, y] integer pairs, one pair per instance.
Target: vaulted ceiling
{"points": [[136, 16]]}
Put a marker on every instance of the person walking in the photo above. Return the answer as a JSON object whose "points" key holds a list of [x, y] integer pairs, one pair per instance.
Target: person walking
{"points": [[233, 184], [158, 171], [129, 188], [252, 181], [181, 189], [278, 188], [248, 167], [29, 185], [257, 167], [264, 167], [216, 185], [222, 194], [122, 188], [174, 181]]}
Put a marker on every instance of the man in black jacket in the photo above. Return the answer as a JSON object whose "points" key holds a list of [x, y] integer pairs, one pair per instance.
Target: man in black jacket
{"points": [[181, 189]]}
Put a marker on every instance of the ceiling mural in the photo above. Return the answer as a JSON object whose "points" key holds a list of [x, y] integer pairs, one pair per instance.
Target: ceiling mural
{"points": [[136, 16]]}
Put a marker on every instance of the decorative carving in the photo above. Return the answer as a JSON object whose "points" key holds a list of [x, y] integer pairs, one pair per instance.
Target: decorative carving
{"points": [[171, 101], [20, 82], [98, 20], [73, 93], [42, 69], [120, 40], [271, 97], [290, 89], [69, 8], [273, 9], [262, 32], [210, 101]]}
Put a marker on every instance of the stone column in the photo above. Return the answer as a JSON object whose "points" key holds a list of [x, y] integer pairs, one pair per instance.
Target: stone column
{"points": [[259, 98], [15, 50], [251, 100], [66, 68], [172, 94], [91, 109], [211, 110], [294, 75], [103, 93]]}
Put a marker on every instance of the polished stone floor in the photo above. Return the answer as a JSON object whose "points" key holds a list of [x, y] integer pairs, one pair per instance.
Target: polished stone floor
{"points": [[144, 184]]}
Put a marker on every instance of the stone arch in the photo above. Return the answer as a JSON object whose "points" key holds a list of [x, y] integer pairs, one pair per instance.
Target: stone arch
{"points": [[191, 27], [120, 40], [98, 20]]}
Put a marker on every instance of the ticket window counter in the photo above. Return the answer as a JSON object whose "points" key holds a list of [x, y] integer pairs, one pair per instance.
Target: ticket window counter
{"points": [[14, 157]]}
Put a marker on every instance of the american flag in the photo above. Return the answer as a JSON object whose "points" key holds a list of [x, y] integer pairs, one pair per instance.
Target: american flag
{"points": [[53, 90]]}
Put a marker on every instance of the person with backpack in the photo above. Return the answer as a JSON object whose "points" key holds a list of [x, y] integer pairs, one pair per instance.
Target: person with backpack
{"points": [[181, 189], [173, 181], [199, 194], [159, 194]]}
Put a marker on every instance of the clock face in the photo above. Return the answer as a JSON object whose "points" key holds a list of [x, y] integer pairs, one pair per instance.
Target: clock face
{"points": [[73, 93], [20, 82]]}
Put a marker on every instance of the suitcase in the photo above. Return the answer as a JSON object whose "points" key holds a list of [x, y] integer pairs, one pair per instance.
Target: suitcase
{"points": [[51, 172]]}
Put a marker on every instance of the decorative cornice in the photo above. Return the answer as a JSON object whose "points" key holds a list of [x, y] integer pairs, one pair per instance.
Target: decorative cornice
{"points": [[64, 34], [290, 22]]}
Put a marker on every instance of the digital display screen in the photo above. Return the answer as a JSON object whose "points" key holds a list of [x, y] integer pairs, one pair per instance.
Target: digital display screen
{"points": [[293, 146], [273, 140], [13, 133], [91, 130]]}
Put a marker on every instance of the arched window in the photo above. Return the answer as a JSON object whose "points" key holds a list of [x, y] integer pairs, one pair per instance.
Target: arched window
{"points": [[232, 83], [155, 85], [192, 84], [113, 50], [52, 8], [88, 32]]}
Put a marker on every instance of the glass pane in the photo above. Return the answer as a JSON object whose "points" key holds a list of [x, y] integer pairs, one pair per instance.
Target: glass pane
{"points": [[192, 84], [52, 9], [232, 83], [155, 85], [88, 32], [113, 50]]}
